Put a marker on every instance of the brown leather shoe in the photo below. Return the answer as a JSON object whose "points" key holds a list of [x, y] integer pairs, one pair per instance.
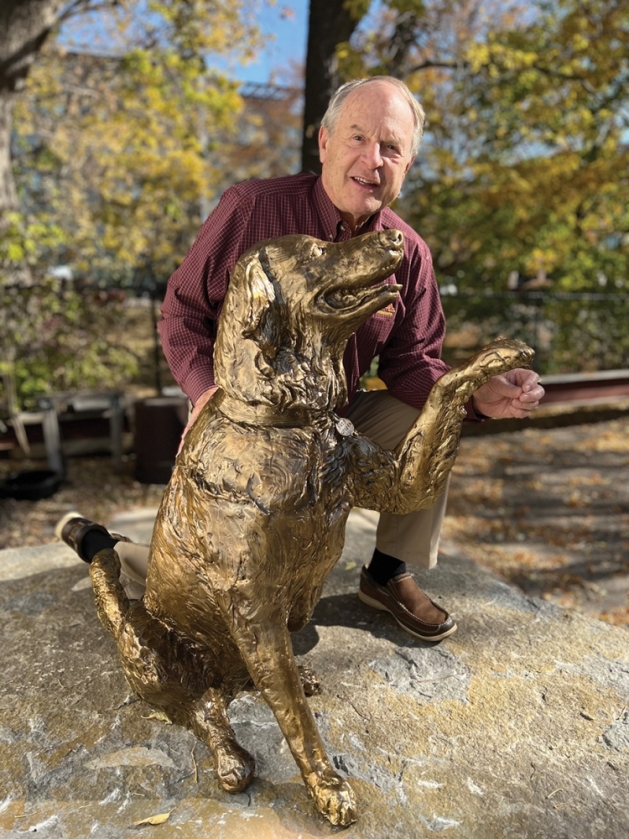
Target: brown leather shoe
{"points": [[72, 529], [413, 610]]}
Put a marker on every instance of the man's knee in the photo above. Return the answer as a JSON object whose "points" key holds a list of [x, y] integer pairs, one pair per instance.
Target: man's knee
{"points": [[381, 417]]}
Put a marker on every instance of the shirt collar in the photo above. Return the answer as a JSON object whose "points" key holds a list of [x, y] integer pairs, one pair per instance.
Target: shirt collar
{"points": [[331, 218]]}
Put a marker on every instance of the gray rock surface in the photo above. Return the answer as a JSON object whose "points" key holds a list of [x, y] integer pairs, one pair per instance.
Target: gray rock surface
{"points": [[516, 726]]}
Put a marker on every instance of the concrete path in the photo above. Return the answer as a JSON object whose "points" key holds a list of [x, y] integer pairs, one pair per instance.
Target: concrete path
{"points": [[516, 726]]}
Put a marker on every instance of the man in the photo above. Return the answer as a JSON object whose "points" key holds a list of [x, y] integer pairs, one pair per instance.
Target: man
{"points": [[368, 140]]}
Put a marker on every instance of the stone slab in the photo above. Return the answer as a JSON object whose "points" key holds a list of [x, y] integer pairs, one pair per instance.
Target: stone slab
{"points": [[516, 726]]}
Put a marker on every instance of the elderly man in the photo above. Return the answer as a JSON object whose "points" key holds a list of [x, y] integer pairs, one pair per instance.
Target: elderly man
{"points": [[368, 140]]}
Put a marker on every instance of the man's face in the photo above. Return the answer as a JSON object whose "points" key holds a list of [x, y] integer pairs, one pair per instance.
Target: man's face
{"points": [[366, 157]]}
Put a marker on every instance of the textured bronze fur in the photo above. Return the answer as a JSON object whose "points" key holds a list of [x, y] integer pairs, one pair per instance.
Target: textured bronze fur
{"points": [[253, 519]]}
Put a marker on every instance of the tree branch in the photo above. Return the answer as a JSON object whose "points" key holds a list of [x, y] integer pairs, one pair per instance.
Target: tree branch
{"points": [[425, 65], [81, 7]]}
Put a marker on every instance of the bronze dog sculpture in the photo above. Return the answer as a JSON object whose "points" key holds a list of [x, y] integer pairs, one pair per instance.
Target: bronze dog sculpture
{"points": [[253, 519]]}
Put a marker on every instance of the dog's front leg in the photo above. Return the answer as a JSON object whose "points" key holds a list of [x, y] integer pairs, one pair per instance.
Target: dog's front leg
{"points": [[415, 474], [267, 651], [427, 453]]}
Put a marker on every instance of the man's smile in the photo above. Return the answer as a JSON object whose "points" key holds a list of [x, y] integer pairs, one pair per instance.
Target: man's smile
{"points": [[365, 182]]}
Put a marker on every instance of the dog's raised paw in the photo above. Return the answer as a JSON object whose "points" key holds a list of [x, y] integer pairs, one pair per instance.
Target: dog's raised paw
{"points": [[235, 768], [504, 354], [459, 383], [334, 799]]}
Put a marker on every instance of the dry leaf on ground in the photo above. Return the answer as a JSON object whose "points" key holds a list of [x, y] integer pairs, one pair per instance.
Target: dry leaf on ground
{"points": [[153, 820]]}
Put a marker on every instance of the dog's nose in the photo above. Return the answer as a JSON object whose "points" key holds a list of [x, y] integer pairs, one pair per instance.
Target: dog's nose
{"points": [[395, 238]]}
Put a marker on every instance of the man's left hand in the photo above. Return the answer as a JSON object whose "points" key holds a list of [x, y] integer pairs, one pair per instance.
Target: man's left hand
{"points": [[512, 394]]}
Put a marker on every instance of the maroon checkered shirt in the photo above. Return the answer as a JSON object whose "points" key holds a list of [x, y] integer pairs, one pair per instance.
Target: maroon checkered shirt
{"points": [[407, 339]]}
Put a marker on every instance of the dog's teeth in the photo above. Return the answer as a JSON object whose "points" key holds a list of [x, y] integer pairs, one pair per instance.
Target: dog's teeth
{"points": [[341, 298]]}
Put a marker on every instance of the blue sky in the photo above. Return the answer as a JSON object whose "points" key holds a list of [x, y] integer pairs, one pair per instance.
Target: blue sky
{"points": [[287, 23], [283, 22]]}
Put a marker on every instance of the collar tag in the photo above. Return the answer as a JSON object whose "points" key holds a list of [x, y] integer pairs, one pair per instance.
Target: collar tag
{"points": [[344, 427]]}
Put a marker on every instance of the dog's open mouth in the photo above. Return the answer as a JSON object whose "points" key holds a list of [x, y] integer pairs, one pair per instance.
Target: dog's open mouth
{"points": [[344, 301]]}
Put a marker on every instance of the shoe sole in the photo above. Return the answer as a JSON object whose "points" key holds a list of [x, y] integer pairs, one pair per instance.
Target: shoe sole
{"points": [[377, 604], [73, 514]]}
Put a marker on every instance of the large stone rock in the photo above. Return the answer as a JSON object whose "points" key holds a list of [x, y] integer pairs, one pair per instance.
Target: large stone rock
{"points": [[516, 726]]}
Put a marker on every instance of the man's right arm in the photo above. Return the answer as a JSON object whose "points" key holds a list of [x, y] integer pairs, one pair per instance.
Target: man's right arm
{"points": [[195, 295]]}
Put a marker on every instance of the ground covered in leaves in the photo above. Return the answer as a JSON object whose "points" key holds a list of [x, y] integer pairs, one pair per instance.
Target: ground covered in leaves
{"points": [[545, 509], [548, 510]]}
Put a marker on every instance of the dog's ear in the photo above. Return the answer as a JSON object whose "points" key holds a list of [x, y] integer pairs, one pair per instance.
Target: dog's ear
{"points": [[262, 315]]}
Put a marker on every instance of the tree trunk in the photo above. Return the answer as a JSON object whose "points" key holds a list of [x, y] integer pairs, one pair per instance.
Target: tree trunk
{"points": [[24, 26], [329, 24], [8, 196], [11, 272]]}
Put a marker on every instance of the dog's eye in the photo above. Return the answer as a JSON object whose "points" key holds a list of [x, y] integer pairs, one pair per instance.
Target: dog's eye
{"points": [[316, 251]]}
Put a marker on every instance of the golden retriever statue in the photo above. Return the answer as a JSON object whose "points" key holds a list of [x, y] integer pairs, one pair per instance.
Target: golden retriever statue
{"points": [[253, 519]]}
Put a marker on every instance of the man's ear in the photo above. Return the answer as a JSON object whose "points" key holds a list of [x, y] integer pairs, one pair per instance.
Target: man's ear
{"points": [[409, 164], [323, 143], [262, 315]]}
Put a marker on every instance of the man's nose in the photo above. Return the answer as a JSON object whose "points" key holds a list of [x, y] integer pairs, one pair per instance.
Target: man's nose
{"points": [[372, 155]]}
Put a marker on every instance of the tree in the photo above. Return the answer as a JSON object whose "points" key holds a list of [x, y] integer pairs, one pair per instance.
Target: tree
{"points": [[112, 148], [158, 70], [25, 25], [101, 193], [540, 185], [329, 24]]}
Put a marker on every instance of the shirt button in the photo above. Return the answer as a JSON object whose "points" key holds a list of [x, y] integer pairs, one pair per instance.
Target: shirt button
{"points": [[331, 236]]}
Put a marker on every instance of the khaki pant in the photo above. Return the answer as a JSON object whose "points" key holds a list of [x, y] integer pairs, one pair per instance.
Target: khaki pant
{"points": [[413, 538]]}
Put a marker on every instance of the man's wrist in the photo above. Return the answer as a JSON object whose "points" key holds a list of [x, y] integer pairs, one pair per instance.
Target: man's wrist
{"points": [[206, 396], [477, 412]]}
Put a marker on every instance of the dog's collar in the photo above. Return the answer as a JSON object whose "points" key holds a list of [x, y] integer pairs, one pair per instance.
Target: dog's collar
{"points": [[265, 415], [240, 411]]}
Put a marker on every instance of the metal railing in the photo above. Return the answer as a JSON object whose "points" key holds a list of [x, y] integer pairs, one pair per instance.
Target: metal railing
{"points": [[569, 331]]}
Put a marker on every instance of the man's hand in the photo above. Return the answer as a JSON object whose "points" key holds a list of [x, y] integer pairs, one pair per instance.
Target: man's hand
{"points": [[198, 407], [513, 394]]}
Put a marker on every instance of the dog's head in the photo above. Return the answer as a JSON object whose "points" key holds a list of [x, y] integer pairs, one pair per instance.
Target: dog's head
{"points": [[291, 306]]}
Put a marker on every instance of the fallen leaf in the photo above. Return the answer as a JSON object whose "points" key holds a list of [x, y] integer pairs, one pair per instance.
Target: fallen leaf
{"points": [[159, 819], [349, 566], [159, 715]]}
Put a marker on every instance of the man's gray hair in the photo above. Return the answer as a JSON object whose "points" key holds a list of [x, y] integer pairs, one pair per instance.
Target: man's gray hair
{"points": [[331, 115]]}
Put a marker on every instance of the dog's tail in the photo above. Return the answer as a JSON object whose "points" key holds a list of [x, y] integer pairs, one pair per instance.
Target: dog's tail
{"points": [[112, 603]]}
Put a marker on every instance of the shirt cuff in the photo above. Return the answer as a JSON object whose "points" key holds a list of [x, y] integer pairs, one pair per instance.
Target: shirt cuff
{"points": [[474, 415], [197, 384]]}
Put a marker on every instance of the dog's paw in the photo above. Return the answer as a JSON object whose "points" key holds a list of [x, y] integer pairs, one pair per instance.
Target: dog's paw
{"points": [[235, 768], [309, 680], [457, 385], [501, 355], [334, 799]]}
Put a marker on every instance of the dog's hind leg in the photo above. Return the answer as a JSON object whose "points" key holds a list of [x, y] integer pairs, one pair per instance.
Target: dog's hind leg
{"points": [[170, 673], [207, 719], [267, 651], [112, 604]]}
